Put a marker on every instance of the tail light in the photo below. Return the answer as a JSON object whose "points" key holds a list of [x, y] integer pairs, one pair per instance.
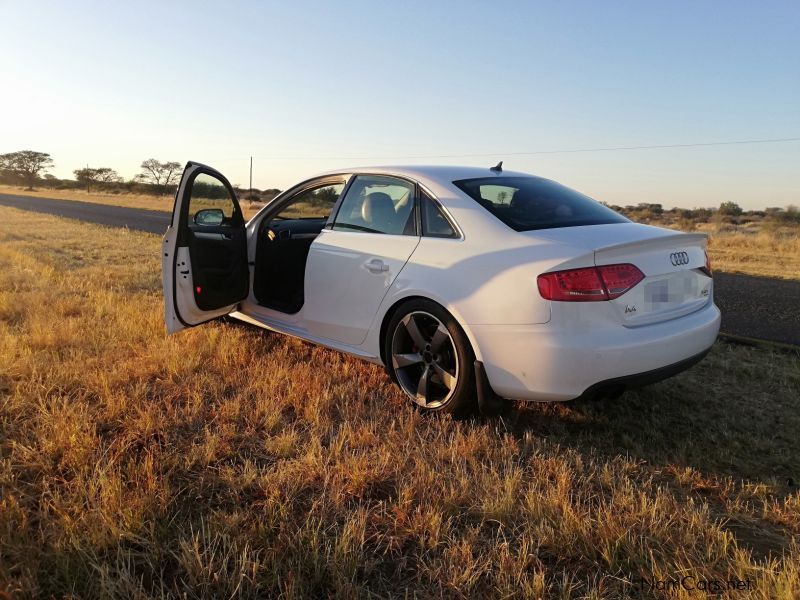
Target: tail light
{"points": [[707, 269], [591, 284], [575, 285], [618, 279]]}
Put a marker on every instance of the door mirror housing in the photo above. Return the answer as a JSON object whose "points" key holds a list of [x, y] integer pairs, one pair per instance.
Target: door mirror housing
{"points": [[209, 217]]}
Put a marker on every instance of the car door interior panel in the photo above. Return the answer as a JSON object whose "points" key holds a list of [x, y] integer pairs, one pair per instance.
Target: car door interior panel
{"points": [[212, 226], [283, 242], [281, 254], [219, 266]]}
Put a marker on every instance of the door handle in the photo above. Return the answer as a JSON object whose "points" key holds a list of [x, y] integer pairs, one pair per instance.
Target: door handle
{"points": [[376, 265]]}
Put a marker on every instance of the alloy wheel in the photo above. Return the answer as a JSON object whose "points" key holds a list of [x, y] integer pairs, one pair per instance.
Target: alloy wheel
{"points": [[424, 359]]}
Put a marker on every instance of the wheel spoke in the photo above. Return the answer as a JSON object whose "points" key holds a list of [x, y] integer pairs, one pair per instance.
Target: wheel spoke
{"points": [[439, 338], [413, 331], [424, 389], [447, 379], [406, 360]]}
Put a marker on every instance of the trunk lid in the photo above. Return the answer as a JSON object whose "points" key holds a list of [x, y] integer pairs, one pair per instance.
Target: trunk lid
{"points": [[674, 284]]}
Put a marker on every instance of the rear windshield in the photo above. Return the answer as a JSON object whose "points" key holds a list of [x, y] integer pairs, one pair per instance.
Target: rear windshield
{"points": [[527, 203]]}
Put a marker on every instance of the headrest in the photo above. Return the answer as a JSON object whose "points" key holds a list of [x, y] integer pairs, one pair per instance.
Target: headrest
{"points": [[378, 208]]}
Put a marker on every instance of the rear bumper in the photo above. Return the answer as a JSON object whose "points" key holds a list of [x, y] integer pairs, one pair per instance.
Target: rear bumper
{"points": [[544, 362], [629, 382]]}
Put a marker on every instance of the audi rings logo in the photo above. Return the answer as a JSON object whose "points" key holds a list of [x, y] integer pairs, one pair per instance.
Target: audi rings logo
{"points": [[679, 258]]}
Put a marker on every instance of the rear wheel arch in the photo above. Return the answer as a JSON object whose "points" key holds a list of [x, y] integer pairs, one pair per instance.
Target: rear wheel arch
{"points": [[392, 310], [436, 367]]}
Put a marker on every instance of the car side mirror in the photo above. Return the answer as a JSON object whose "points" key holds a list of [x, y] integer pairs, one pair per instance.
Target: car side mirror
{"points": [[209, 217]]}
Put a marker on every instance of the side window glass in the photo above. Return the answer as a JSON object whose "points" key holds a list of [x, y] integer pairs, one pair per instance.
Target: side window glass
{"points": [[210, 203], [378, 204], [316, 203], [434, 223]]}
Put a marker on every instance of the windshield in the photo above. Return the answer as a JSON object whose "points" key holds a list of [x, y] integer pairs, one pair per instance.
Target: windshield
{"points": [[527, 203]]}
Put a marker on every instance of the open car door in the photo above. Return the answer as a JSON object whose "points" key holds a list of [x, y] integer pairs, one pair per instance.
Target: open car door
{"points": [[204, 268]]}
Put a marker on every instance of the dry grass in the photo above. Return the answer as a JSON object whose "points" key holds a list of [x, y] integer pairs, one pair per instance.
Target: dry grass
{"points": [[762, 247], [769, 253], [225, 461]]}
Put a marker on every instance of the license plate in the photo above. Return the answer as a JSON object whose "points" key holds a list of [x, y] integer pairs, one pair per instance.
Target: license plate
{"points": [[656, 292]]}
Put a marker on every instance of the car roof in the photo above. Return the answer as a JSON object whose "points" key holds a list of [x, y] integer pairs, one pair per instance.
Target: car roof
{"points": [[431, 175]]}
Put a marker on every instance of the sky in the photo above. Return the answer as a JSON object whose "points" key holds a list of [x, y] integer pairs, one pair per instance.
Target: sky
{"points": [[305, 87]]}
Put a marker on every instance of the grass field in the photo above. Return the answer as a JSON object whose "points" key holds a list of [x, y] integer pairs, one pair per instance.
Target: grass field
{"points": [[774, 253], [226, 461]]}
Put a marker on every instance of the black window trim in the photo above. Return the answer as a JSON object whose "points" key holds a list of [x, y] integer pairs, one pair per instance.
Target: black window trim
{"points": [[282, 200], [332, 217], [237, 218], [279, 202], [457, 233]]}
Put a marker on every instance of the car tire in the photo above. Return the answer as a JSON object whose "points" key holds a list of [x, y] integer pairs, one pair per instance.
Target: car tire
{"points": [[430, 358]]}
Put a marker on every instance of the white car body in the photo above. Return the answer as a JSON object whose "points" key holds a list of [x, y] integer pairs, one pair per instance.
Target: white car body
{"points": [[486, 278]]}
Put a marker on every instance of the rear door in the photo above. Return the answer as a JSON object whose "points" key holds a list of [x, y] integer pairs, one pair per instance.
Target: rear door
{"points": [[204, 256], [354, 261]]}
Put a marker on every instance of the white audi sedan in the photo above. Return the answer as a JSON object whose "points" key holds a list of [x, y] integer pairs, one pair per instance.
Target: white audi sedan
{"points": [[468, 284]]}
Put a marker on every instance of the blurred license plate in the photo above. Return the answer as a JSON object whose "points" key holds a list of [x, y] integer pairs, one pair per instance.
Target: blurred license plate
{"points": [[657, 292]]}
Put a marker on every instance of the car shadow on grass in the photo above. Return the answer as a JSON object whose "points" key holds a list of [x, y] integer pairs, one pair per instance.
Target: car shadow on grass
{"points": [[737, 414], [726, 427]]}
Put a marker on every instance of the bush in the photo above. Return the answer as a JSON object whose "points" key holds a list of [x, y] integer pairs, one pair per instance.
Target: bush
{"points": [[790, 216], [730, 209]]}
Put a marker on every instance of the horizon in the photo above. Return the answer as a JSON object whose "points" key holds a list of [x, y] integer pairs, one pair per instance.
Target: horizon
{"points": [[561, 91], [104, 188]]}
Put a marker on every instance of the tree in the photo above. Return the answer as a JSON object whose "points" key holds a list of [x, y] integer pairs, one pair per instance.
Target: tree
{"points": [[790, 215], [653, 209], [730, 208], [91, 176], [6, 176], [159, 174], [270, 193], [26, 165]]}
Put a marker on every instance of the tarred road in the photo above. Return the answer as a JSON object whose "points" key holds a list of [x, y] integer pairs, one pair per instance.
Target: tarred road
{"points": [[151, 221], [759, 307]]}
